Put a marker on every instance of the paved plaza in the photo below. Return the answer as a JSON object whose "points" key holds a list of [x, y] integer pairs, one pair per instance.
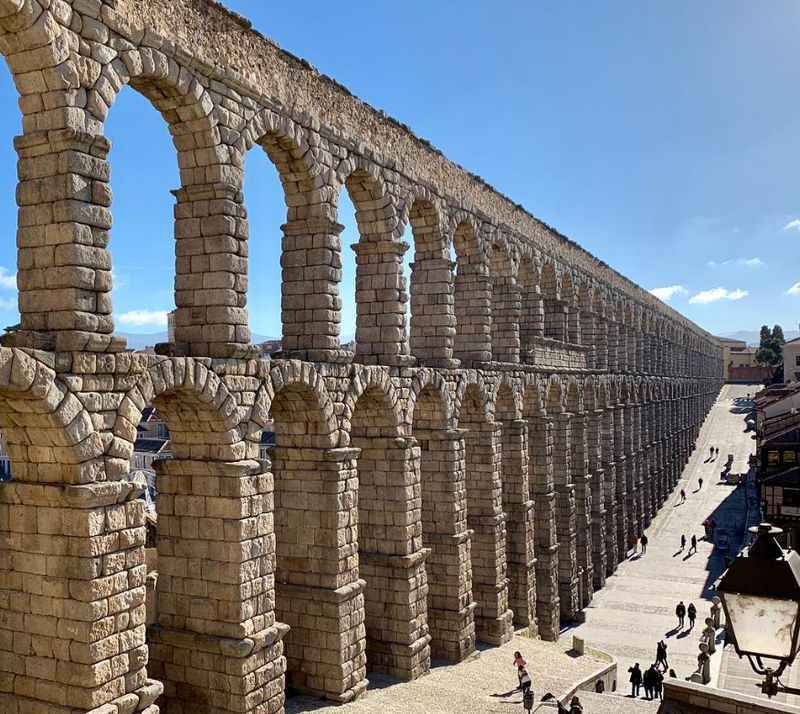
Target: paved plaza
{"points": [[637, 606]]}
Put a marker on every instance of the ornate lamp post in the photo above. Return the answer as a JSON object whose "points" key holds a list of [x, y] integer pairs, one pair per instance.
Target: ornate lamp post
{"points": [[761, 597]]}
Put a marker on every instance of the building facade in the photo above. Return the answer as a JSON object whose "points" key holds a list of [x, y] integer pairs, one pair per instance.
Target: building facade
{"points": [[512, 439]]}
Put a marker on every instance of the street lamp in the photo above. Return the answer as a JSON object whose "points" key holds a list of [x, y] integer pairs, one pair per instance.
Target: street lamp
{"points": [[760, 593]]}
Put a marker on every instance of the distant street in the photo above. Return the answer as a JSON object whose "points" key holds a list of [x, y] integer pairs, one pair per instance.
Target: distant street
{"points": [[636, 608]]}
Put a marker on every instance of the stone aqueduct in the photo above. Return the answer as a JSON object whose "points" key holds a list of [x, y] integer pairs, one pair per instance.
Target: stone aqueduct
{"points": [[486, 468]]}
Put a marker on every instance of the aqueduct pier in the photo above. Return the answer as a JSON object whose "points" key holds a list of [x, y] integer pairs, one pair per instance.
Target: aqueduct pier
{"points": [[485, 466]]}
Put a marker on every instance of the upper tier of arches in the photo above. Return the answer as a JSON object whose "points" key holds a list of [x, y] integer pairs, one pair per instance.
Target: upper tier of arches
{"points": [[508, 295]]}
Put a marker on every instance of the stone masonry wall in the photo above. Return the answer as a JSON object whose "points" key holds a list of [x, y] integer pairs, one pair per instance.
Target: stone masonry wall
{"points": [[481, 468]]}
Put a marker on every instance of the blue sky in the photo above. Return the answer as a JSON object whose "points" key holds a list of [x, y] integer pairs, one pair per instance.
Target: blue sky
{"points": [[662, 137]]}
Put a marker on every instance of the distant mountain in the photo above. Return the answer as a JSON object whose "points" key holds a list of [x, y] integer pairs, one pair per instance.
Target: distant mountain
{"points": [[752, 337], [140, 340]]}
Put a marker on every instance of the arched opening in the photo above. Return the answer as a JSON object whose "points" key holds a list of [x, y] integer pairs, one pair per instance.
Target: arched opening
{"points": [[473, 299], [482, 465], [555, 316], [565, 501], [317, 590], [10, 125], [391, 560], [432, 320], [531, 324], [139, 142], [505, 309], [444, 527], [542, 491], [380, 290]]}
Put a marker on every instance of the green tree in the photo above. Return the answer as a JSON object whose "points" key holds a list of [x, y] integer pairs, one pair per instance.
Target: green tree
{"points": [[765, 336], [777, 335], [770, 351]]}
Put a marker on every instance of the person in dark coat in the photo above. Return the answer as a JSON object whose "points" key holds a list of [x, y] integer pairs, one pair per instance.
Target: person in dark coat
{"points": [[635, 679], [661, 655], [649, 682], [644, 543], [658, 689], [680, 612], [683, 541], [691, 611], [693, 547]]}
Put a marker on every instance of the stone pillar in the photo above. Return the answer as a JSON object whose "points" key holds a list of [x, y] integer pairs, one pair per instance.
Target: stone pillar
{"points": [[381, 298], [589, 338], [506, 309], [473, 306], [72, 636], [555, 319], [613, 346], [216, 642], [601, 343], [631, 477], [531, 321], [623, 517], [486, 520], [546, 540], [444, 532], [610, 489], [594, 435], [574, 324], [582, 479], [211, 271], [518, 507], [311, 306], [567, 536], [641, 352], [318, 591], [433, 322], [64, 266], [391, 557]]}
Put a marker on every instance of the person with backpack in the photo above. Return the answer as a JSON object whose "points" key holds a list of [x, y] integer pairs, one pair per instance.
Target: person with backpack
{"points": [[680, 612], [692, 612], [524, 680]]}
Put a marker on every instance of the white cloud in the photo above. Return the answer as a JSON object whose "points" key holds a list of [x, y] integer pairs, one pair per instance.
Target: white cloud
{"points": [[667, 293], [144, 318], [794, 290], [8, 279], [715, 294], [744, 262], [793, 225]]}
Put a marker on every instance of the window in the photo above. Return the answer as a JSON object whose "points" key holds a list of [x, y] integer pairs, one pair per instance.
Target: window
{"points": [[789, 457], [773, 458], [791, 497], [797, 360]]}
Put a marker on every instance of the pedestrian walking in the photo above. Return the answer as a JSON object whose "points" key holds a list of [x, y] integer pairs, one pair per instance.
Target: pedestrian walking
{"points": [[683, 541], [711, 453], [635, 679], [524, 680], [661, 655], [680, 612], [699, 483], [683, 496], [575, 706], [648, 682], [644, 543], [659, 684], [691, 611], [694, 544]]}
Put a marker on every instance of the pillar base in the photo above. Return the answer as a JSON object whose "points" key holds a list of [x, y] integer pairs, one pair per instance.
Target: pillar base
{"points": [[453, 640], [208, 673]]}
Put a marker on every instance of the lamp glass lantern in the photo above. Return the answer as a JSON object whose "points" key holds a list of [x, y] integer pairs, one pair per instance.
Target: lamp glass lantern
{"points": [[760, 593]]}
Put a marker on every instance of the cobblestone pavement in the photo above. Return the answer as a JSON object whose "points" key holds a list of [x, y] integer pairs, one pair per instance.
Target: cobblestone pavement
{"points": [[471, 687], [636, 608]]}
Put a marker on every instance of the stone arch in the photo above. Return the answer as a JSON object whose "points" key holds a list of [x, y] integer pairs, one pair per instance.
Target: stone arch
{"points": [[389, 528], [428, 394], [375, 380], [432, 327], [472, 388], [591, 397], [554, 400], [555, 310], [381, 293], [472, 296], [573, 402], [194, 402], [532, 310], [49, 435], [506, 399], [505, 310]]}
